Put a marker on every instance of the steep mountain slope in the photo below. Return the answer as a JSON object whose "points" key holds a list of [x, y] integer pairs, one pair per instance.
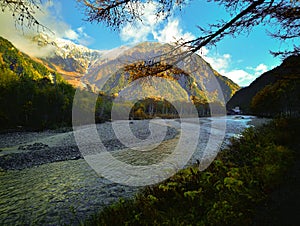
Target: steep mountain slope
{"points": [[197, 79], [66, 57], [288, 70]]}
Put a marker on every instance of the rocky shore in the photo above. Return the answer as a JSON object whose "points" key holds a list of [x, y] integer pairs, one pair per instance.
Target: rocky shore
{"points": [[36, 156], [28, 149]]}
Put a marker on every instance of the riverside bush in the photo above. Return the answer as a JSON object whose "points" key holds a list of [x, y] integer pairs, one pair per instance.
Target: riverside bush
{"points": [[226, 193]]}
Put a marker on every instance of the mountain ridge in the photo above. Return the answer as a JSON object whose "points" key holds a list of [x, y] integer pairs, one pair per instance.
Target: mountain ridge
{"points": [[76, 62], [288, 70]]}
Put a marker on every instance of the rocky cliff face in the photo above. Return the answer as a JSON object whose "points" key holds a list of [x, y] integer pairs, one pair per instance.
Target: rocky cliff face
{"points": [[196, 78]]}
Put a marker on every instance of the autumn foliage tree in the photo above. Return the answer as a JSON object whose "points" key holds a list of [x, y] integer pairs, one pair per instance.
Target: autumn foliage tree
{"points": [[160, 69]]}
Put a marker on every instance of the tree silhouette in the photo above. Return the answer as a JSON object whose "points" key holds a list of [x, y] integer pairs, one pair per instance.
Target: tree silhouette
{"points": [[283, 15]]}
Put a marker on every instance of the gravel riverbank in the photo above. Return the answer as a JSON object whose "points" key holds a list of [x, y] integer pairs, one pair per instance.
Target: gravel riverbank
{"points": [[27, 149]]}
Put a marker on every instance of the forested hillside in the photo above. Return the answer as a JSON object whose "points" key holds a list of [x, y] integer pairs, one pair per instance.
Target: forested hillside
{"points": [[31, 96], [275, 92]]}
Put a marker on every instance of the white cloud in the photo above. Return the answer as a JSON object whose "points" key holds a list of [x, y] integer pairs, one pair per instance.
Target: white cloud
{"points": [[239, 76], [222, 64], [135, 33], [203, 52], [53, 20], [80, 30], [245, 77], [139, 31], [21, 39], [71, 34], [172, 32], [84, 38], [168, 32], [218, 62], [260, 69]]}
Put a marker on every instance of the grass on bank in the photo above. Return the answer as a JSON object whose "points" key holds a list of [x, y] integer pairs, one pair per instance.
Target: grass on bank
{"points": [[226, 193]]}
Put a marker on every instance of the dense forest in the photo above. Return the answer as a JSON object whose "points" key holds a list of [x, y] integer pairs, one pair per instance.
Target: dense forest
{"points": [[158, 107]]}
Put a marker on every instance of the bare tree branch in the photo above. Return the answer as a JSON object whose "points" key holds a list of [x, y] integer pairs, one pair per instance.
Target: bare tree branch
{"points": [[23, 12], [115, 14]]}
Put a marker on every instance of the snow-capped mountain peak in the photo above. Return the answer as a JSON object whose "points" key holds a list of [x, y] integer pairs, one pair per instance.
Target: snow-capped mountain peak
{"points": [[67, 56]]}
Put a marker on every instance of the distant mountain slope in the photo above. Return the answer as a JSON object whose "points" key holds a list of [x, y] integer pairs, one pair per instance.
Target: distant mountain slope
{"points": [[199, 81], [289, 70]]}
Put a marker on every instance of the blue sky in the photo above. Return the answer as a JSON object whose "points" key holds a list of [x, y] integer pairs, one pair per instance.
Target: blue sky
{"points": [[242, 59]]}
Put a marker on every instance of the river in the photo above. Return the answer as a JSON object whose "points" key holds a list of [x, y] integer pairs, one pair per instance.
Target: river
{"points": [[67, 192]]}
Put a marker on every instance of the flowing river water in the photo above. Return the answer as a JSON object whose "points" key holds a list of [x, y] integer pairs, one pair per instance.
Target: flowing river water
{"points": [[67, 192]]}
